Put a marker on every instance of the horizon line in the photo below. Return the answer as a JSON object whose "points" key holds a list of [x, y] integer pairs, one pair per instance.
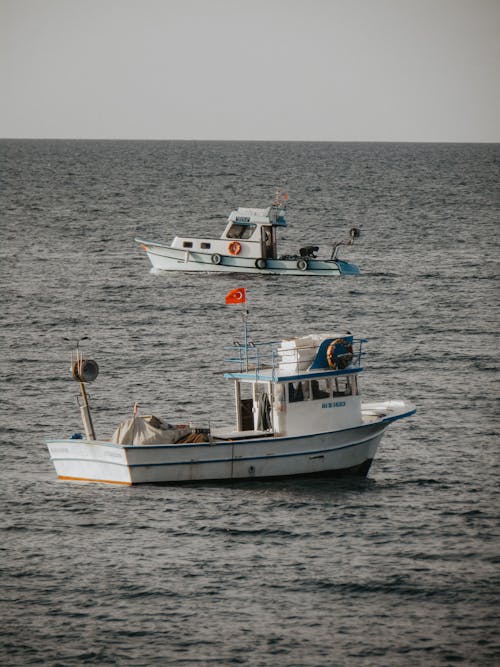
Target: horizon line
{"points": [[302, 141]]}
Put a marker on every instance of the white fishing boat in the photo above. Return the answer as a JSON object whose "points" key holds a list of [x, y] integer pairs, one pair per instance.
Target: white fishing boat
{"points": [[298, 412], [249, 244]]}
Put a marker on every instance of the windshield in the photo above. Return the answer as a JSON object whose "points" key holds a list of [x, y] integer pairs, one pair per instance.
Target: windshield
{"points": [[240, 231]]}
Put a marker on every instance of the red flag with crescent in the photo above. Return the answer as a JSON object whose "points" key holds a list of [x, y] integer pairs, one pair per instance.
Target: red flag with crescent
{"points": [[236, 295]]}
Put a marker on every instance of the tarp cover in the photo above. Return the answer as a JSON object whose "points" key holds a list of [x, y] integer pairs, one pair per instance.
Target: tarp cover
{"points": [[148, 430]]}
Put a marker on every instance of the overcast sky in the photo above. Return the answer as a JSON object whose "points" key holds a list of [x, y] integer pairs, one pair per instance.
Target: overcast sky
{"points": [[332, 70]]}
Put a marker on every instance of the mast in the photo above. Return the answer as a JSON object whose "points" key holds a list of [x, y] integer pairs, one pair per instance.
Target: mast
{"points": [[245, 336], [84, 370]]}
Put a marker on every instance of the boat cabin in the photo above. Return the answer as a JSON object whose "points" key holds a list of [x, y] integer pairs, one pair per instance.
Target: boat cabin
{"points": [[250, 233], [301, 386]]}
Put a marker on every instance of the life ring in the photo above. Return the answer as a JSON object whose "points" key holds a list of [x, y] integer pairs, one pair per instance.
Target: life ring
{"points": [[302, 265], [216, 259], [339, 354], [234, 248], [260, 263]]}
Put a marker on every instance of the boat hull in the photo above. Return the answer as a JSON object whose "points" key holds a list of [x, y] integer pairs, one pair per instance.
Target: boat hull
{"points": [[349, 451], [166, 258]]}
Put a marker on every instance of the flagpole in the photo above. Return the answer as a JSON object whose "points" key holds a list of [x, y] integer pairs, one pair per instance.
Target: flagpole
{"points": [[238, 296], [245, 335]]}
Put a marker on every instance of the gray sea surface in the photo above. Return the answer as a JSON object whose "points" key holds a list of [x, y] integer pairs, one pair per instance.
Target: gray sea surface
{"points": [[397, 569]]}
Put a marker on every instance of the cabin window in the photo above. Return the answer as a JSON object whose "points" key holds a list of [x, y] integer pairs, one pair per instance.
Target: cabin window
{"points": [[320, 388], [298, 391], [187, 244], [240, 231], [205, 246], [344, 386]]}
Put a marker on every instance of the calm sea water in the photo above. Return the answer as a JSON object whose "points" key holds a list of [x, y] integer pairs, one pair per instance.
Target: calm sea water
{"points": [[397, 569]]}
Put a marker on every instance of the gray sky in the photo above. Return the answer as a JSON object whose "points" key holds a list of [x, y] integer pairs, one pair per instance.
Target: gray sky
{"points": [[333, 70]]}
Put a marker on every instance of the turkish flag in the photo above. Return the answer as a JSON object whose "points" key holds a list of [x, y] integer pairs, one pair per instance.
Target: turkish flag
{"points": [[236, 295]]}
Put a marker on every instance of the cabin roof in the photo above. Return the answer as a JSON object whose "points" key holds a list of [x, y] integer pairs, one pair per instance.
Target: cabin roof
{"points": [[252, 212], [259, 216], [266, 375]]}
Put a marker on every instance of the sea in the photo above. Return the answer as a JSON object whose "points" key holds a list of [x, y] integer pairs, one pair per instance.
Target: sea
{"points": [[398, 569]]}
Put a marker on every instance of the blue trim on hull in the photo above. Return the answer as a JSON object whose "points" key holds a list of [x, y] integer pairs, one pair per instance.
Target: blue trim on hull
{"points": [[347, 269], [230, 263], [268, 457], [112, 463], [232, 459]]}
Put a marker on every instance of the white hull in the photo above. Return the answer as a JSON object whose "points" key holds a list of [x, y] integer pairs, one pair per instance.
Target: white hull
{"points": [[346, 451], [166, 258]]}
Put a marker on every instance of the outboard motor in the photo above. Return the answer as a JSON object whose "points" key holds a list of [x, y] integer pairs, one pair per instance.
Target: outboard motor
{"points": [[309, 251]]}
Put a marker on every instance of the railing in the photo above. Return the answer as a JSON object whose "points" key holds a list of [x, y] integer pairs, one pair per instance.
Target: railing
{"points": [[253, 357], [270, 357]]}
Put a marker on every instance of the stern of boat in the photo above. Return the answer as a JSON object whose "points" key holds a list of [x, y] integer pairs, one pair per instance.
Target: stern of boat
{"points": [[89, 461]]}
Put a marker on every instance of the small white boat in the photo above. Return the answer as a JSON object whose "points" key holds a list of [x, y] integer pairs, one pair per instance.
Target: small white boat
{"points": [[249, 244], [299, 412]]}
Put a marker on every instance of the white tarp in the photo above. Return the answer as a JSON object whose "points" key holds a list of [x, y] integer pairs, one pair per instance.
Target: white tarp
{"points": [[148, 430]]}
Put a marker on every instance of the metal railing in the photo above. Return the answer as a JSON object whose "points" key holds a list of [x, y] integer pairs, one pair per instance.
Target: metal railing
{"points": [[256, 358]]}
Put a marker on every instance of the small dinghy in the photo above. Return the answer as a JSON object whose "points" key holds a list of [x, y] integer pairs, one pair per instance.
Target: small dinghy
{"points": [[249, 244], [299, 412]]}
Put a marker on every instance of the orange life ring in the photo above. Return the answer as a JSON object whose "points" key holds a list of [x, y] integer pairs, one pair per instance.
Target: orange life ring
{"points": [[339, 359], [234, 248]]}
